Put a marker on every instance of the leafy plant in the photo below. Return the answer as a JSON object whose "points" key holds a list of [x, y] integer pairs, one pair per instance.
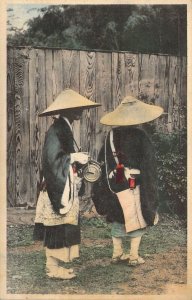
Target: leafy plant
{"points": [[143, 28], [172, 170]]}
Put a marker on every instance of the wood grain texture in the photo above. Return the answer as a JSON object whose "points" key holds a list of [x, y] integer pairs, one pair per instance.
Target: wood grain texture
{"points": [[34, 124], [162, 90], [57, 73], [41, 102], [103, 95], [71, 75], [87, 89], [11, 142], [88, 121], [118, 78], [36, 76], [48, 82], [147, 65], [131, 74], [22, 126], [71, 79], [183, 93], [173, 97]]}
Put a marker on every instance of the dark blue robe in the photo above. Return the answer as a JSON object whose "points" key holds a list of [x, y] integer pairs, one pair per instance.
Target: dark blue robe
{"points": [[136, 151], [55, 168]]}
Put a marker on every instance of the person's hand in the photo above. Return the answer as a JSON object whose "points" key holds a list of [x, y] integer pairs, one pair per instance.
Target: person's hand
{"points": [[81, 157]]}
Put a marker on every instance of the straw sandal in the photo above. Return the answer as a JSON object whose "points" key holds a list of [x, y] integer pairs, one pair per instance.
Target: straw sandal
{"points": [[61, 273], [136, 261], [121, 258]]}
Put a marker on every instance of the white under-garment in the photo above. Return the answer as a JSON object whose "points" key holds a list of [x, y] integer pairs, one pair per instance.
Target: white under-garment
{"points": [[65, 254]]}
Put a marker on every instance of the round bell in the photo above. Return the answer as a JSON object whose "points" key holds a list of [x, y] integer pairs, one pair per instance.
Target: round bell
{"points": [[132, 111], [68, 100], [91, 172]]}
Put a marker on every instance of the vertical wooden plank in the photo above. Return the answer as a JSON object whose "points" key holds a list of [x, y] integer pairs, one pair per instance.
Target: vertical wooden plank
{"points": [[22, 126], [87, 89], [71, 65], [11, 153], [71, 69], [34, 124], [103, 77], [162, 90], [154, 83], [48, 82], [103, 95], [177, 104], [147, 78], [183, 92], [42, 105], [131, 74], [183, 80], [118, 78], [57, 73], [172, 108], [162, 81]]}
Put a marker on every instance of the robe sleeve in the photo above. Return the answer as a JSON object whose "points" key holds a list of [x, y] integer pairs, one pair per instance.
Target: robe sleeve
{"points": [[99, 190], [148, 187], [105, 201], [56, 161]]}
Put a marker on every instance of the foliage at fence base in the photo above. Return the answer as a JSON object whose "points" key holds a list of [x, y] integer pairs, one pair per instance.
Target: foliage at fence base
{"points": [[171, 155]]}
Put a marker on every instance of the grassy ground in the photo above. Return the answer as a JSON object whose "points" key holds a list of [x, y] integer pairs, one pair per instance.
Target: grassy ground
{"points": [[163, 247]]}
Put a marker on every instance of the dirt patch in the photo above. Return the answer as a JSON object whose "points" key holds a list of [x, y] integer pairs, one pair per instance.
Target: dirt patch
{"points": [[163, 248], [20, 216], [37, 246], [158, 270]]}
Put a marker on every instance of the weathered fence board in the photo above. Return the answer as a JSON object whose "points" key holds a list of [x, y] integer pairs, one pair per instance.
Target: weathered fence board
{"points": [[48, 82], [36, 76], [103, 95], [22, 126], [131, 74], [41, 100], [118, 80], [172, 105], [183, 92], [11, 142], [71, 66], [146, 83], [87, 89], [34, 80]]}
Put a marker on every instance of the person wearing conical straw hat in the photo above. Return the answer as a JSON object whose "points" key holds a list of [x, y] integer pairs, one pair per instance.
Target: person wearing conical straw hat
{"points": [[57, 211], [126, 193]]}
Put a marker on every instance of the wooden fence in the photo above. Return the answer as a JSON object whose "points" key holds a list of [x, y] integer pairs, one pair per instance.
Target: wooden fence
{"points": [[35, 76]]}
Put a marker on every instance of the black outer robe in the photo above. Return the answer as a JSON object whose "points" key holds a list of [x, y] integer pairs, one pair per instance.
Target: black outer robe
{"points": [[55, 168], [136, 152]]}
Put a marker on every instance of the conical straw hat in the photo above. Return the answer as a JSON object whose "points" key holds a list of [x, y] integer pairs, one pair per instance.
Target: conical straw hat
{"points": [[132, 111], [68, 100]]}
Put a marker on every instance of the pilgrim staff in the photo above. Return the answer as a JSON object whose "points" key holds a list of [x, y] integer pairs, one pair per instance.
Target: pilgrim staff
{"points": [[126, 192], [57, 211]]}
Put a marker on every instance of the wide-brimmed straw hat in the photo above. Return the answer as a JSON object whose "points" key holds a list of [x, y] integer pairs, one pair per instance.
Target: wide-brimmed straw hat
{"points": [[131, 111], [68, 100]]}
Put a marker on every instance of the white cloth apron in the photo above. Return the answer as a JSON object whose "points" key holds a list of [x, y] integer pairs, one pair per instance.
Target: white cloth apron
{"points": [[68, 215], [129, 199], [131, 206], [65, 254]]}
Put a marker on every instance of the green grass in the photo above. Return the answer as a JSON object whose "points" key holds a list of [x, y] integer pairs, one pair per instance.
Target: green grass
{"points": [[96, 275], [19, 235]]}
